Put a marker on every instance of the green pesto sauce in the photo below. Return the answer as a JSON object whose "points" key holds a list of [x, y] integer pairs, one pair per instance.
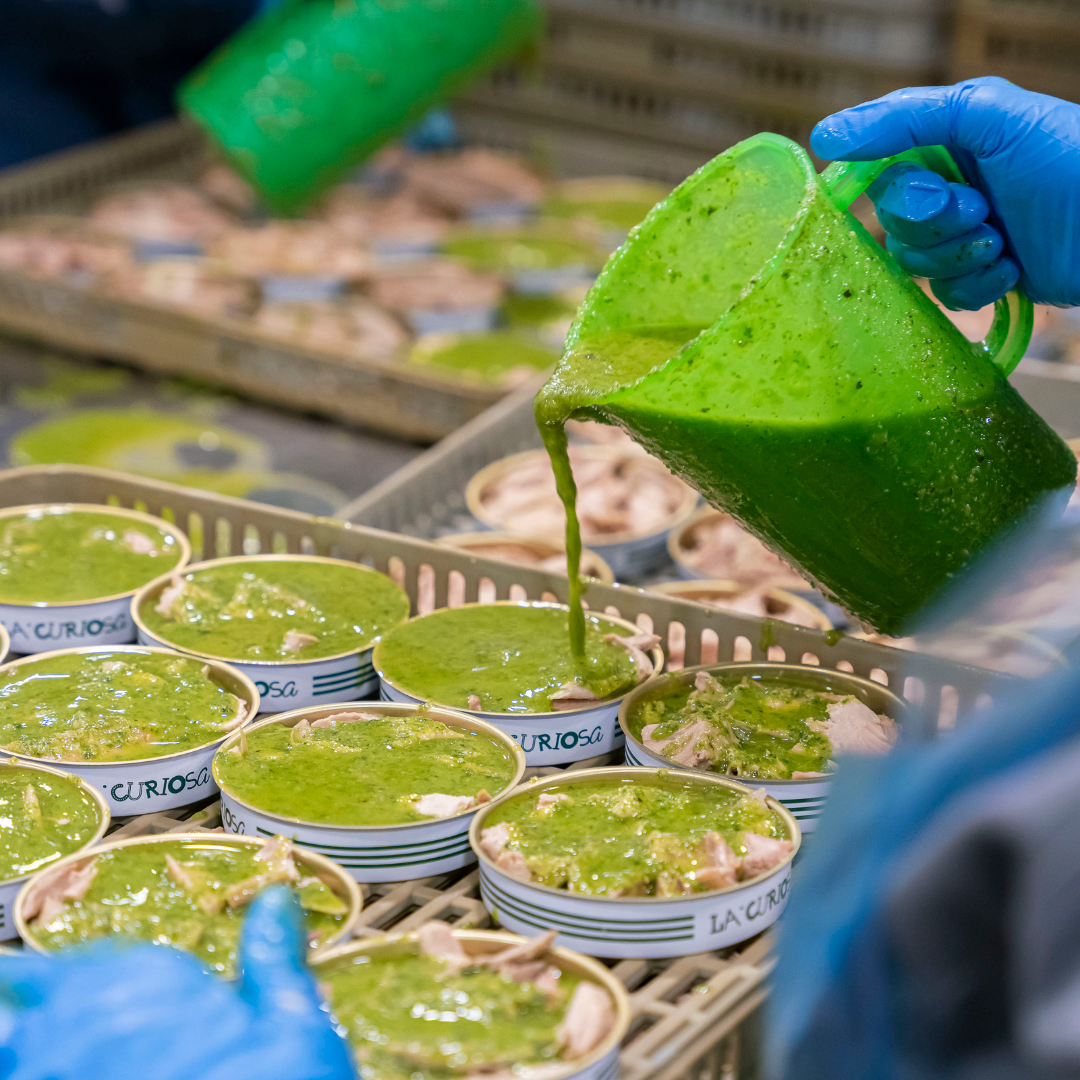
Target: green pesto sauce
{"points": [[758, 729], [42, 818], [132, 896], [486, 356], [633, 838], [523, 251], [242, 611], [56, 555], [513, 657], [365, 772], [413, 1018], [111, 706]]}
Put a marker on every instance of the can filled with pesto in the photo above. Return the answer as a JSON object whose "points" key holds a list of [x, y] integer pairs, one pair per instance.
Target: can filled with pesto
{"points": [[509, 664], [45, 814], [139, 725], [524, 1007], [68, 572], [301, 627], [779, 727], [387, 790], [186, 890], [633, 862]]}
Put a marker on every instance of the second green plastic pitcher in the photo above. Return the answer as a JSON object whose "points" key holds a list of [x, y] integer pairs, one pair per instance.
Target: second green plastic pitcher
{"points": [[753, 335]]}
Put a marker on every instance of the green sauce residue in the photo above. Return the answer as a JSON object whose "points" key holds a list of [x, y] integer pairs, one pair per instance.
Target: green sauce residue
{"points": [[502, 252], [756, 730], [56, 555], [415, 1018], [134, 896], [629, 838], [253, 610], [364, 772], [512, 657], [111, 706], [487, 357], [42, 818]]}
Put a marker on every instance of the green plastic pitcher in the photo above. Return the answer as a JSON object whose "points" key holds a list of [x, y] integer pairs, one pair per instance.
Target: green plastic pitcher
{"points": [[752, 335], [303, 93]]}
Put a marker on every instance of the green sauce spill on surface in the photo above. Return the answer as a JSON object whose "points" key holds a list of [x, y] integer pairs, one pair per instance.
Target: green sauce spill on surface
{"points": [[413, 1018], [242, 611], [111, 706], [56, 555], [513, 657], [758, 729], [134, 897], [364, 772], [42, 818], [628, 837]]}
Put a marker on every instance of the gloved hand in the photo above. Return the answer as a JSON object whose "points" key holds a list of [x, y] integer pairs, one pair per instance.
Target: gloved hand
{"points": [[1020, 221], [149, 1011]]}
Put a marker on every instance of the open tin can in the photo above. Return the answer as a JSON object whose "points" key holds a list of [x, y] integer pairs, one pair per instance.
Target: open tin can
{"points": [[642, 926], [331, 875], [9, 889], [295, 684], [104, 620], [547, 738], [805, 799], [601, 1063], [372, 852], [146, 785]]}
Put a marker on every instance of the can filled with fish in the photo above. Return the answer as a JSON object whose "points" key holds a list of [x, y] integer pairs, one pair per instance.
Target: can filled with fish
{"points": [[388, 851], [138, 784], [747, 721], [54, 556], [677, 896]]}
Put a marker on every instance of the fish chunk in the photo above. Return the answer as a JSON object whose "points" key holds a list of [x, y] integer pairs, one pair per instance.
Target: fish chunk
{"points": [[110, 667], [443, 806], [474, 703], [681, 747], [72, 883], [179, 874], [636, 646], [437, 939], [589, 1018], [571, 696], [295, 640], [300, 730], [854, 728], [172, 592], [722, 869], [343, 718], [277, 853], [32, 804], [494, 839], [139, 542], [762, 854], [513, 864], [548, 801], [524, 963]]}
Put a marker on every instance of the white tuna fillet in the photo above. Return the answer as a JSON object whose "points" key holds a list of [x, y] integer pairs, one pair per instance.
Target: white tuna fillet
{"points": [[589, 1017]]}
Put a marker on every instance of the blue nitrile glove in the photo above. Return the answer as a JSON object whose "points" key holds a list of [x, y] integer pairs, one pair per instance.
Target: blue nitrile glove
{"points": [[148, 1011], [1020, 150]]}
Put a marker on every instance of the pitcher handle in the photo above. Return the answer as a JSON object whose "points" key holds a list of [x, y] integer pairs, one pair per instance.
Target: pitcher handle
{"points": [[1014, 315]]}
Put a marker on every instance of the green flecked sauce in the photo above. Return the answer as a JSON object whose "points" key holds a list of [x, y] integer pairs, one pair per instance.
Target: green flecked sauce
{"points": [[513, 657], [56, 555], [134, 896], [504, 252], [757, 730], [414, 1017], [111, 706], [614, 837], [484, 356], [42, 818], [246, 610], [363, 772]]}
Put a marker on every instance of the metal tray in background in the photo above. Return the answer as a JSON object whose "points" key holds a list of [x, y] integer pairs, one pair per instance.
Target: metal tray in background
{"points": [[409, 402], [695, 1016]]}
